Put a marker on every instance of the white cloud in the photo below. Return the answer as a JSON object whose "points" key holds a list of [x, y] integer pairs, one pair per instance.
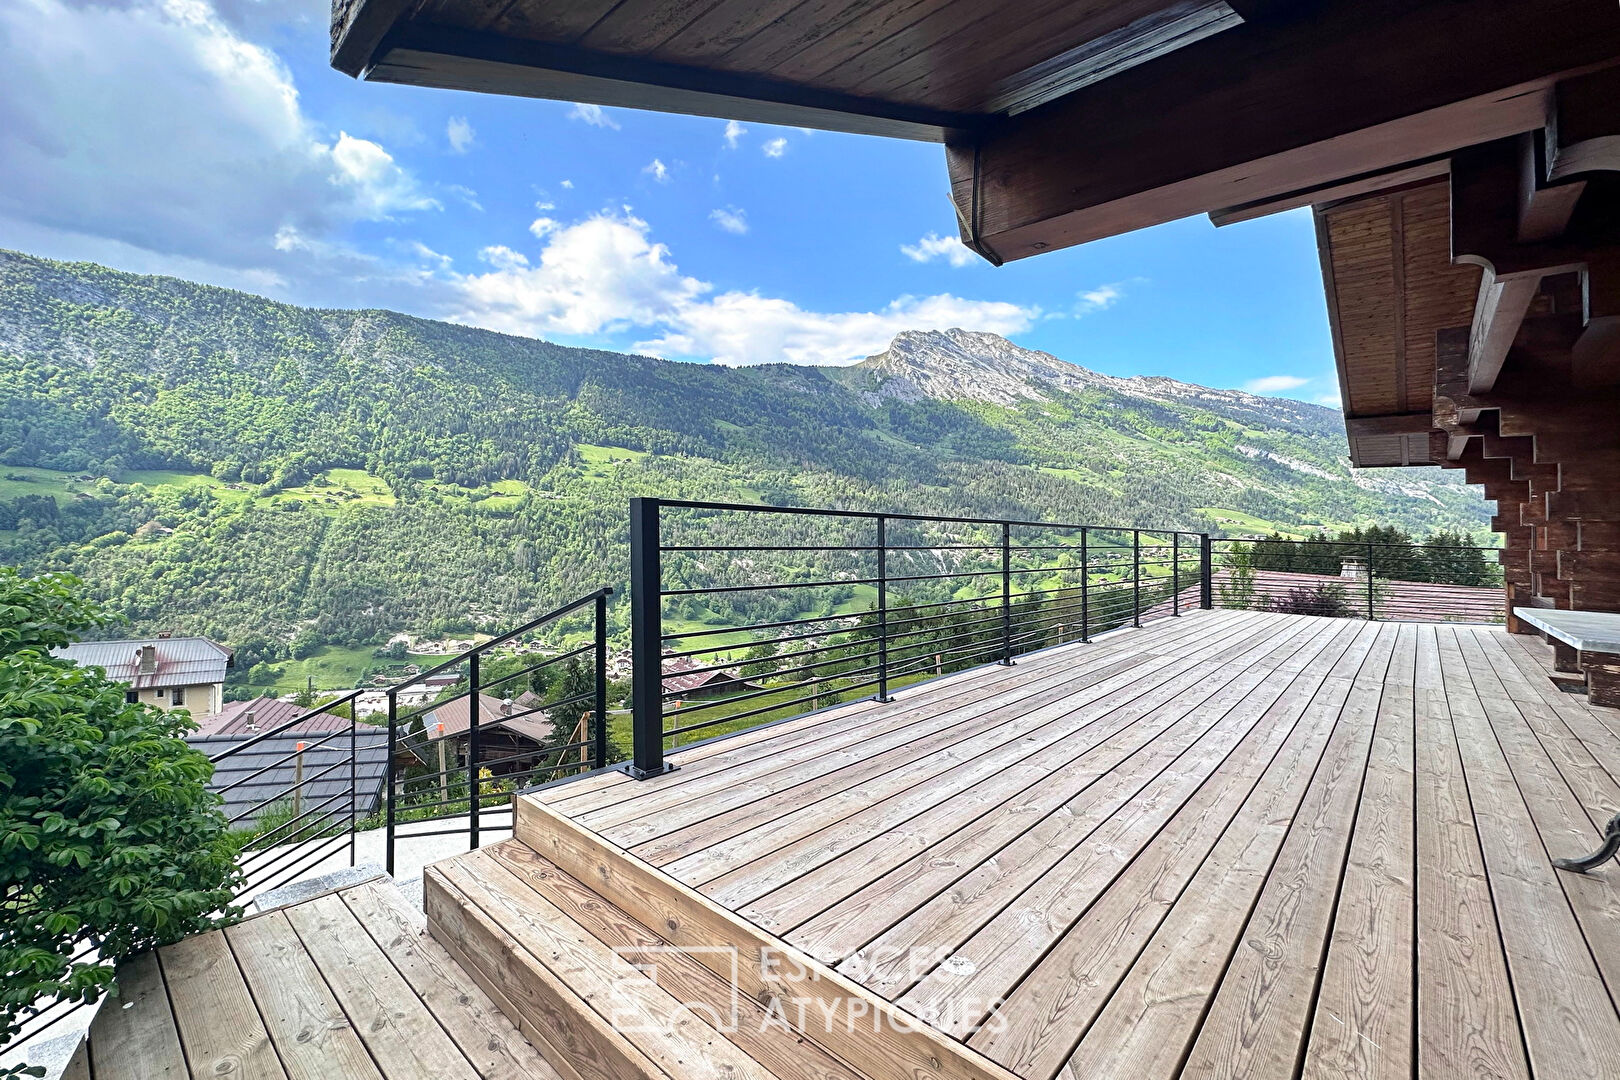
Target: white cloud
{"points": [[543, 227], [657, 170], [567, 184], [775, 147], [467, 195], [460, 133], [428, 255], [1274, 384], [182, 145], [734, 132], [593, 115], [1101, 298], [1333, 401], [731, 219], [606, 275], [934, 246]]}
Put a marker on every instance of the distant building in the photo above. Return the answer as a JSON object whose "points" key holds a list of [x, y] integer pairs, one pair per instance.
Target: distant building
{"points": [[511, 734], [268, 714], [680, 679], [169, 672]]}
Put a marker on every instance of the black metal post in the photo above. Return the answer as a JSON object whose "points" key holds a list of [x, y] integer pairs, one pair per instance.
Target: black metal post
{"points": [[1371, 615], [1006, 595], [646, 640], [1085, 587], [600, 747], [475, 707], [883, 607], [1206, 572], [1175, 574], [388, 781], [354, 773], [1136, 577]]}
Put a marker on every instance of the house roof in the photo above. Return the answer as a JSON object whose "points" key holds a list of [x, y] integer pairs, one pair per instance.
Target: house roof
{"points": [[178, 661], [326, 774], [521, 719], [679, 679], [267, 714]]}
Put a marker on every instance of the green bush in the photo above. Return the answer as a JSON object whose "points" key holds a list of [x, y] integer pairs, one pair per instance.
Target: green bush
{"points": [[109, 837]]}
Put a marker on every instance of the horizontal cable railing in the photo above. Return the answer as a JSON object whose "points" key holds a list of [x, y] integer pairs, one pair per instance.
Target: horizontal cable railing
{"points": [[744, 614], [298, 795], [1417, 581]]}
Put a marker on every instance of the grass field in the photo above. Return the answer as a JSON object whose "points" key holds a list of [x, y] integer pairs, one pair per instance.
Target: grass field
{"points": [[332, 667]]}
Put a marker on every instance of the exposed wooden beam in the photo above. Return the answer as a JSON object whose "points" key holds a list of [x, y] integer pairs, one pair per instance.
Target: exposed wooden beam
{"points": [[1412, 423], [1266, 109], [1498, 313], [1367, 184], [357, 27], [452, 58]]}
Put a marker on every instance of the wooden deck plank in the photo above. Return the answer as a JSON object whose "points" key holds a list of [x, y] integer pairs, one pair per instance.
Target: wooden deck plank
{"points": [[1152, 1015], [851, 900], [1044, 1018], [219, 1024], [1015, 937], [831, 744], [1363, 1022], [784, 1054], [947, 757], [489, 1040], [404, 1039], [1566, 823], [311, 1034], [1568, 1019], [133, 1036], [1466, 1021], [1256, 1023], [670, 1033], [776, 854], [1080, 682]]}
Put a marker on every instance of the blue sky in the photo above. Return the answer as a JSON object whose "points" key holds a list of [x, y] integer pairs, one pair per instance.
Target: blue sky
{"points": [[210, 140]]}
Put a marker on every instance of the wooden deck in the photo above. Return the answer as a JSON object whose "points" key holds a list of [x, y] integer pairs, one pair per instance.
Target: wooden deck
{"points": [[346, 986], [1233, 844]]}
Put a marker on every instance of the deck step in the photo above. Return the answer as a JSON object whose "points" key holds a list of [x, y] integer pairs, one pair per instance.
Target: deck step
{"points": [[616, 970], [599, 993]]}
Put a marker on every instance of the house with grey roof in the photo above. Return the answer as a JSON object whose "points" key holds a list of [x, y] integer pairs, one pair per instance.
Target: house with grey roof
{"points": [[168, 672]]}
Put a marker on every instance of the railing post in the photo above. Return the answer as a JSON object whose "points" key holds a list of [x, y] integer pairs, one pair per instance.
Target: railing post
{"points": [[1006, 595], [646, 640], [475, 709], [1371, 614], [600, 747], [354, 773], [1175, 574], [1206, 572], [1136, 577], [883, 607], [1085, 586], [389, 792]]}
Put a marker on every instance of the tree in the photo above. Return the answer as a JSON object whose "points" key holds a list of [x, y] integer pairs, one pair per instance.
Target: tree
{"points": [[109, 837]]}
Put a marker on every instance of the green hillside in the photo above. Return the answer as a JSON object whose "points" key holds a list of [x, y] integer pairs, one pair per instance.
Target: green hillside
{"points": [[219, 463]]}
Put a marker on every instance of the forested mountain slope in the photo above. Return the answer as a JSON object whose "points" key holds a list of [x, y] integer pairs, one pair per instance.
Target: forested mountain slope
{"points": [[223, 464]]}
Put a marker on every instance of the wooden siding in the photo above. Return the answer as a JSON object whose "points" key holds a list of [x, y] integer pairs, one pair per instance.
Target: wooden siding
{"points": [[1391, 285]]}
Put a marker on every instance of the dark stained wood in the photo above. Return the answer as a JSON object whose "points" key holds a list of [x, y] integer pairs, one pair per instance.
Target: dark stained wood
{"points": [[1352, 90]]}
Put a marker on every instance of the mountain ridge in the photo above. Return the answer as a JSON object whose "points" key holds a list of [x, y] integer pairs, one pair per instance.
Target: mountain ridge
{"points": [[214, 461]]}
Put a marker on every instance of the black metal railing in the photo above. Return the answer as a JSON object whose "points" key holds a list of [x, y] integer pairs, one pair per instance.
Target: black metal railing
{"points": [[1421, 581], [460, 747], [300, 793], [827, 606]]}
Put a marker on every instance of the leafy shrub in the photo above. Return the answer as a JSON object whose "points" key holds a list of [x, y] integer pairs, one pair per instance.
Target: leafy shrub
{"points": [[1327, 598], [109, 837]]}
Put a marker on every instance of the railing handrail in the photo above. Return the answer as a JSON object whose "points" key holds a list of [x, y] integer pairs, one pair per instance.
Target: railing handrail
{"points": [[698, 504]]}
